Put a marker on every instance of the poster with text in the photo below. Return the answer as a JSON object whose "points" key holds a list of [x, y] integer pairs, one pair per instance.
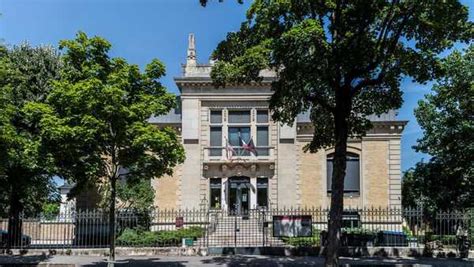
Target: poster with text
{"points": [[292, 226]]}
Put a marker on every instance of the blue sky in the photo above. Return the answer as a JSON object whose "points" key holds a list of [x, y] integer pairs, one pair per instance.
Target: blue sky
{"points": [[140, 30]]}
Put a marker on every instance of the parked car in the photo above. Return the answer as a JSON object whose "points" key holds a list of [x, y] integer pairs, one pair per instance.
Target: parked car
{"points": [[25, 240]]}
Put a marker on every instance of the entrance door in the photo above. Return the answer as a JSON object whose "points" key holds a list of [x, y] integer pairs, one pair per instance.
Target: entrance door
{"points": [[239, 195]]}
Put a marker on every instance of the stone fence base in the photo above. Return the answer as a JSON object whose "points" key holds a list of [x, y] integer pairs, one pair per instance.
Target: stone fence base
{"points": [[388, 252]]}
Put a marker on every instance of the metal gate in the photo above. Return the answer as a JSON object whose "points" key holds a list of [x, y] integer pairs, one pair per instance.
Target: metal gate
{"points": [[252, 229]]}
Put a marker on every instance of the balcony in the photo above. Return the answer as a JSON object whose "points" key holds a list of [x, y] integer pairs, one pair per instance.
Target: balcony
{"points": [[220, 154]]}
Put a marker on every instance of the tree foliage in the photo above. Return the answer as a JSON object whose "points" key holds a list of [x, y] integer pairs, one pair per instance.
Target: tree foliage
{"points": [[95, 122], [136, 195], [26, 74], [447, 119], [341, 61], [365, 52]]}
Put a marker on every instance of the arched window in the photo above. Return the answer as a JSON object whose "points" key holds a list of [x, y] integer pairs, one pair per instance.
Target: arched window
{"points": [[352, 179]]}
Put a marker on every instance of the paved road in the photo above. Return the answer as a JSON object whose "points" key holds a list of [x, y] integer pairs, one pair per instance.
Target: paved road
{"points": [[230, 261]]}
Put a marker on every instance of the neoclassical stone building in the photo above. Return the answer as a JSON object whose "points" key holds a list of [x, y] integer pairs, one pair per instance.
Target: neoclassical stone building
{"points": [[213, 122]]}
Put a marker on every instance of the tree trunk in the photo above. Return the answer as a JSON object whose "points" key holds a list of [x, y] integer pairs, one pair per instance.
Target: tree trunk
{"points": [[14, 221], [112, 222], [337, 188]]}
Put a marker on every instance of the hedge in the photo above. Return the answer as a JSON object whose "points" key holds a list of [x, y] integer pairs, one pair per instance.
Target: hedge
{"points": [[312, 241], [134, 237]]}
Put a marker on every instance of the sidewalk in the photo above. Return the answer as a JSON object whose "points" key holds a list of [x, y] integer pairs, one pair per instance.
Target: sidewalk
{"points": [[238, 260]]}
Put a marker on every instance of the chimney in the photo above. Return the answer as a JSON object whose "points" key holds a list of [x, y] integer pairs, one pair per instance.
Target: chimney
{"points": [[191, 58]]}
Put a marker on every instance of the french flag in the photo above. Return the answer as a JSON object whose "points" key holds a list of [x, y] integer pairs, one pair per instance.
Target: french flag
{"points": [[250, 146]]}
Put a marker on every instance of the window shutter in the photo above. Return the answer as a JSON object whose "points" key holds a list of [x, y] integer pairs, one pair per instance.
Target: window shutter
{"points": [[352, 179]]}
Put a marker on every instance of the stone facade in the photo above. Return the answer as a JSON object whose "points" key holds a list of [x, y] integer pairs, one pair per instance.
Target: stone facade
{"points": [[281, 174]]}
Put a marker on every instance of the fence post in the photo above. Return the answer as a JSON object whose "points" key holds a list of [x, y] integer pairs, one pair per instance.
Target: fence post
{"points": [[422, 222], [471, 223], [262, 220], [208, 226]]}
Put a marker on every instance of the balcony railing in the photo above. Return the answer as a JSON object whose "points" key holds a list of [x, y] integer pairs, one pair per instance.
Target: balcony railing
{"points": [[221, 153]]}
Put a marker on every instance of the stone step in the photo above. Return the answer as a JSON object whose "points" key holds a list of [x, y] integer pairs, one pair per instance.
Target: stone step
{"points": [[250, 232]]}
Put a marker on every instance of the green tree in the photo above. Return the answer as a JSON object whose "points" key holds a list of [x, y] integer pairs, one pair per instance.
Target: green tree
{"points": [[136, 195], [50, 209], [341, 61], [446, 116], [25, 169], [96, 120]]}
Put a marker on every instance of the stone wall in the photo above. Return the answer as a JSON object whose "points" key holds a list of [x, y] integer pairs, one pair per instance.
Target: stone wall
{"points": [[43, 231], [375, 170], [190, 181], [313, 190], [167, 190], [395, 181], [289, 194], [379, 174]]}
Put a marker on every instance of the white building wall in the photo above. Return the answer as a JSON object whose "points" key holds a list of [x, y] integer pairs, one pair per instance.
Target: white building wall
{"points": [[288, 184], [191, 172]]}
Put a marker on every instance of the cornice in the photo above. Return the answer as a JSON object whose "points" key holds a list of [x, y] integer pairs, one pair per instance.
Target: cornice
{"points": [[380, 129], [203, 82]]}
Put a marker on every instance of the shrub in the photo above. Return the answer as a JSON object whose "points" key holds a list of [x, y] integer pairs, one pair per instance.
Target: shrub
{"points": [[357, 236], [358, 231], [134, 237], [353, 236], [312, 241], [407, 231]]}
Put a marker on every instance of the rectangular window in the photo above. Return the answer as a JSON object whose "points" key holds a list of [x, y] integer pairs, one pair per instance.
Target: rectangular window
{"points": [[262, 141], [215, 186], [239, 116], [236, 136], [216, 116], [262, 116], [262, 192], [350, 219], [216, 141], [352, 179]]}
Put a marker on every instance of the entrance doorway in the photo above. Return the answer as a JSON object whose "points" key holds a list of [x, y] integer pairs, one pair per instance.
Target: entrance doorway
{"points": [[239, 195]]}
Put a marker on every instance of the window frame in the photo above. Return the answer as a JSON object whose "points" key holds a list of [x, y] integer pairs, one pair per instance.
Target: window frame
{"points": [[229, 110], [330, 157], [239, 150], [211, 187], [239, 147], [263, 124], [256, 116], [216, 125], [252, 124], [265, 147], [210, 116], [267, 188]]}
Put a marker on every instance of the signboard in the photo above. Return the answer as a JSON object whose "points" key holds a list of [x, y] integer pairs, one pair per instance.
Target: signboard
{"points": [[187, 242], [179, 222], [292, 226]]}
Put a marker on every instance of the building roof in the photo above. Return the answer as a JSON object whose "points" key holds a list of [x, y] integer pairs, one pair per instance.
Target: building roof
{"points": [[172, 117], [389, 116]]}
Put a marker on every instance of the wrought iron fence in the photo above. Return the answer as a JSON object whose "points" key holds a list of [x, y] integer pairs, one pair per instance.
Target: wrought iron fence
{"points": [[256, 228]]}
